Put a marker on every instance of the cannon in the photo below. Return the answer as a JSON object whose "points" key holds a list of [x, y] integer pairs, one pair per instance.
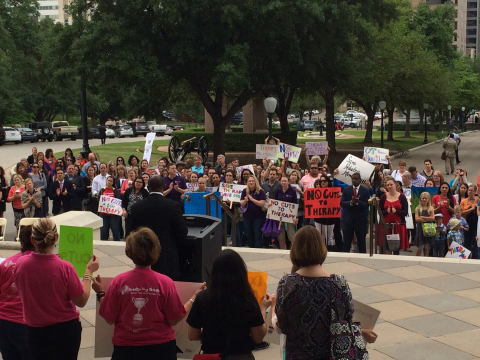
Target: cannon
{"points": [[177, 151]]}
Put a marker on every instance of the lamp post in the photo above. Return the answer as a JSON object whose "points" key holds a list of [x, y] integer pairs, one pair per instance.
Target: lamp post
{"points": [[425, 107], [461, 118], [83, 109], [449, 107], [270, 106], [382, 105]]}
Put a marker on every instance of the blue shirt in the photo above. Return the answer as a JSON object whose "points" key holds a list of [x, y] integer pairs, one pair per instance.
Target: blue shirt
{"points": [[174, 194], [439, 236], [463, 223], [455, 235], [199, 170]]}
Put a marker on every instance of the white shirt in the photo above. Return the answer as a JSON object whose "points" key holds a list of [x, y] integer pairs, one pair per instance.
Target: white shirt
{"points": [[98, 183]]}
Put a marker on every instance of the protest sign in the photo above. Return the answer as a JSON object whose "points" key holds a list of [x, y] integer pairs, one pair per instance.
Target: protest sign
{"points": [[282, 211], [365, 315], [243, 167], [289, 151], [317, 148], [322, 202], [407, 191], [195, 203], [258, 282], [351, 165], [266, 151], [110, 206], [147, 154], [415, 195], [75, 245], [149, 139], [375, 155], [192, 187], [104, 331], [232, 192], [457, 251]]}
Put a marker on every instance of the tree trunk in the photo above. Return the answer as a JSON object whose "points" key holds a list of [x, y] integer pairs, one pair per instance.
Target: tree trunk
{"points": [[329, 98], [432, 121], [219, 127], [390, 123], [371, 117], [407, 123]]}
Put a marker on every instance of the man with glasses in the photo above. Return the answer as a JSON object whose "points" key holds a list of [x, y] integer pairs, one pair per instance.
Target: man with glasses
{"points": [[309, 179]]}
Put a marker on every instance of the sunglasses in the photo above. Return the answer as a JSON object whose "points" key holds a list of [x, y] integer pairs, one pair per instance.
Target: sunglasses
{"points": [[314, 168], [35, 166]]}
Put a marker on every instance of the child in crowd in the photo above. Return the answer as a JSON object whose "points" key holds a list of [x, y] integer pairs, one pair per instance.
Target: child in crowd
{"points": [[457, 211], [454, 234], [440, 236]]}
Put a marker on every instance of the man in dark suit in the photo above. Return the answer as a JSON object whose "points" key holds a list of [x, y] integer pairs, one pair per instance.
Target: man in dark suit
{"points": [[164, 217], [355, 204], [61, 192], [78, 187]]}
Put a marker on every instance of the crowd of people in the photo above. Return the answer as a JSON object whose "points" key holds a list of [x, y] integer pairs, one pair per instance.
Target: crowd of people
{"points": [[75, 182]]}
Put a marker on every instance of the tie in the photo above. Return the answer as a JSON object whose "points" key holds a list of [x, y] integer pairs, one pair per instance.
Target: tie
{"points": [[355, 191], [60, 187]]}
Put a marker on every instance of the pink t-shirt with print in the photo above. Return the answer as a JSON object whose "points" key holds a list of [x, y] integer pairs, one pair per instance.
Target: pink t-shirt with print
{"points": [[47, 285], [308, 180], [141, 302], [11, 307]]}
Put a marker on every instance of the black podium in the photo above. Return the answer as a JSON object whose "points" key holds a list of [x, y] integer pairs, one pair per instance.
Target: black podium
{"points": [[200, 248]]}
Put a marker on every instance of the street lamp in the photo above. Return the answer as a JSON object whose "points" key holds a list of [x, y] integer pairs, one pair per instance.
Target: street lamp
{"points": [[462, 117], [270, 106], [449, 117], [382, 105], [425, 107]]}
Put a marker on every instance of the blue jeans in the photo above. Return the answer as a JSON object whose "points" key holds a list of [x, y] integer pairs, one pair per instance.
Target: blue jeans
{"points": [[253, 227], [13, 341], [110, 222]]}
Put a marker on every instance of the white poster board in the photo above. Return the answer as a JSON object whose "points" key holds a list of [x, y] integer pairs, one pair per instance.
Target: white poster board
{"points": [[376, 155], [282, 211], [409, 218], [243, 167], [266, 151], [317, 148], [110, 206], [149, 139], [192, 187], [365, 315], [351, 165], [232, 192], [457, 251], [289, 151], [147, 154], [104, 331]]}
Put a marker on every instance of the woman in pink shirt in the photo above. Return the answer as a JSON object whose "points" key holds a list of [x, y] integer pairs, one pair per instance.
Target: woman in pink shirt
{"points": [[15, 197], [13, 331], [50, 289], [143, 304]]}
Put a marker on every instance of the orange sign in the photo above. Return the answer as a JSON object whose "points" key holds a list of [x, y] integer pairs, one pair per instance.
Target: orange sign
{"points": [[258, 282]]}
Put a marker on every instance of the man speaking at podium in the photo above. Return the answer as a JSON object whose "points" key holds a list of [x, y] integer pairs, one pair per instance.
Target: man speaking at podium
{"points": [[164, 217]]}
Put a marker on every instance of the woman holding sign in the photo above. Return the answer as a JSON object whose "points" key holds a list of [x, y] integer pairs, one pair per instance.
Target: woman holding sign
{"points": [[286, 193], [253, 198], [110, 221], [325, 225]]}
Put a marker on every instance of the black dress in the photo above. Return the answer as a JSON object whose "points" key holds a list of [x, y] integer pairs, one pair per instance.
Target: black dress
{"points": [[3, 184]]}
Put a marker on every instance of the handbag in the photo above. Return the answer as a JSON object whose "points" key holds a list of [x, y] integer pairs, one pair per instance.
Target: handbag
{"points": [[429, 229], [444, 155], [346, 340]]}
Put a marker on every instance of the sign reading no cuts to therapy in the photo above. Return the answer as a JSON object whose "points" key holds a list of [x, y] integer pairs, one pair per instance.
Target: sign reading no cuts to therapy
{"points": [[282, 211], [323, 203], [289, 151], [110, 206], [232, 192]]}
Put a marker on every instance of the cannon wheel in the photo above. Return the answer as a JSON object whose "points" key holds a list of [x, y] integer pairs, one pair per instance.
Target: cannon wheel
{"points": [[174, 149], [203, 149]]}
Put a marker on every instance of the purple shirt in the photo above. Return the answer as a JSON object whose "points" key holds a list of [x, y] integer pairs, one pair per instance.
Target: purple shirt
{"points": [[288, 196], [174, 194], [254, 211]]}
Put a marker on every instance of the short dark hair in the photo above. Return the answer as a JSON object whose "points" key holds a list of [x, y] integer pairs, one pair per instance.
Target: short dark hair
{"points": [[170, 165], [143, 247], [412, 169], [156, 183], [357, 174]]}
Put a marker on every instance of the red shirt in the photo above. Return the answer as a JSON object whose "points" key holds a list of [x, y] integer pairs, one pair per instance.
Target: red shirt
{"points": [[11, 308], [17, 203], [437, 200], [47, 285], [141, 302]]}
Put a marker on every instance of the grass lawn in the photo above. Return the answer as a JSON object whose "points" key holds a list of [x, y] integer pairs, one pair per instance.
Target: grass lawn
{"points": [[112, 151]]}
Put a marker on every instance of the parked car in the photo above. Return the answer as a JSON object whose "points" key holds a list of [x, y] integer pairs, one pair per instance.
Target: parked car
{"points": [[43, 130], [176, 127], [356, 113], [62, 130], [12, 135], [291, 116], [168, 115], [305, 125], [93, 132], [109, 132], [28, 135], [123, 130], [2, 135], [158, 129], [139, 128]]}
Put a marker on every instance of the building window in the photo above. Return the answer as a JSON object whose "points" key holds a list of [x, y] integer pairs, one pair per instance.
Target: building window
{"points": [[51, 7], [455, 25], [471, 23], [471, 31], [471, 41], [471, 14], [65, 21], [455, 38], [472, 5]]}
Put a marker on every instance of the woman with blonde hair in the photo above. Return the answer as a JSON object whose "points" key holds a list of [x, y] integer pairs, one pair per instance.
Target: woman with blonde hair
{"points": [[252, 201], [15, 196], [31, 200], [424, 217], [150, 335], [50, 290], [112, 169], [437, 178]]}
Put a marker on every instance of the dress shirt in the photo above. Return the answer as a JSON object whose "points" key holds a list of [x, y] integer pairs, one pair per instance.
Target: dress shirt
{"points": [[98, 183]]}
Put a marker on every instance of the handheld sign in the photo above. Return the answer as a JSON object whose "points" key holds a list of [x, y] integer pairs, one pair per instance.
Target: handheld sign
{"points": [[457, 251], [149, 140], [110, 206], [258, 282], [282, 211], [365, 315], [351, 165], [147, 154], [192, 187], [323, 203], [375, 155], [317, 148], [75, 245], [243, 167], [232, 192], [289, 151], [266, 151]]}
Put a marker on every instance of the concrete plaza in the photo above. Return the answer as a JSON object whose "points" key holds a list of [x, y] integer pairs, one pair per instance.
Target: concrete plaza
{"points": [[430, 307]]}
